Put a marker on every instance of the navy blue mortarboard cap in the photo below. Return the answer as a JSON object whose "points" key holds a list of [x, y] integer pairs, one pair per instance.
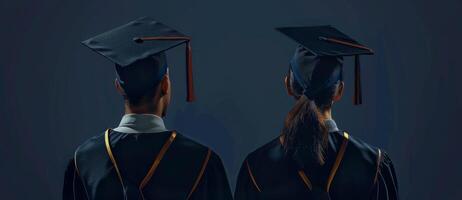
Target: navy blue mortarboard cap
{"points": [[138, 51], [325, 44]]}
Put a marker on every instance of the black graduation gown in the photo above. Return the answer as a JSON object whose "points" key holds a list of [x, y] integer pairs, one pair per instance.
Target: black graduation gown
{"points": [[353, 170], [163, 165]]}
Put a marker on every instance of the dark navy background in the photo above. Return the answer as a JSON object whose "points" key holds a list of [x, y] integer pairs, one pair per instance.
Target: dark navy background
{"points": [[55, 93]]}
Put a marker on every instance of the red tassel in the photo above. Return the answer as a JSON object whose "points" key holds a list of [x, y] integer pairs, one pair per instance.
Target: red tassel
{"points": [[190, 96], [358, 98]]}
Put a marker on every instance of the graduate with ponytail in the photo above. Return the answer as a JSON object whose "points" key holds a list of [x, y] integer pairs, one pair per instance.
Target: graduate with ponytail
{"points": [[313, 158]]}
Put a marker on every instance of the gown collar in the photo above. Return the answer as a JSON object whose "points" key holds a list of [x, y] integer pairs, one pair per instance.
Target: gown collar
{"points": [[331, 125], [141, 123]]}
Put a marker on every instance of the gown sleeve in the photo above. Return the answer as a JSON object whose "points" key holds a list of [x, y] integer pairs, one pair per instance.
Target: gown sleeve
{"points": [[245, 188], [214, 182], [386, 185], [73, 188]]}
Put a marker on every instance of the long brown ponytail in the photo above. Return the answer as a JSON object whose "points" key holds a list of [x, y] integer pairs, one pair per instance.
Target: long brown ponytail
{"points": [[313, 81], [305, 133]]}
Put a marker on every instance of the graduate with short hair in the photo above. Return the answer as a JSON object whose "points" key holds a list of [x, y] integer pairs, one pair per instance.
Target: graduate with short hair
{"points": [[313, 158], [141, 158]]}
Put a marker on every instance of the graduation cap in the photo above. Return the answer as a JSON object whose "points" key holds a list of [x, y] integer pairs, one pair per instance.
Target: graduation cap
{"points": [[327, 41], [138, 51]]}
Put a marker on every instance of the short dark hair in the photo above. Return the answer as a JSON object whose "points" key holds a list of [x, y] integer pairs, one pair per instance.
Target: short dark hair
{"points": [[137, 100]]}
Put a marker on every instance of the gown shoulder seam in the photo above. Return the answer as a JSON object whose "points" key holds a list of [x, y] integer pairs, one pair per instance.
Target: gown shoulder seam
{"points": [[201, 172], [252, 177], [379, 160], [77, 172], [338, 160], [107, 144], [157, 161]]}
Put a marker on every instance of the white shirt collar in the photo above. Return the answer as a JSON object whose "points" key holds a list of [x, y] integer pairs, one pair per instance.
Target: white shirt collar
{"points": [[331, 125], [141, 123]]}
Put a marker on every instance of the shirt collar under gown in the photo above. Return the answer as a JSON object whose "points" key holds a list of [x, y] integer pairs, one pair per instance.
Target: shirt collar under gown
{"points": [[141, 123]]}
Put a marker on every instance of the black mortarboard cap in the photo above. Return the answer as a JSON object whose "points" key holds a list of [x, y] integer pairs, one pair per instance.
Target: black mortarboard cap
{"points": [[138, 50], [327, 41]]}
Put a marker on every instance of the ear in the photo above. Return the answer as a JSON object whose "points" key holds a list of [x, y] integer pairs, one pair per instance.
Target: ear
{"points": [[119, 88], [289, 90], [165, 85], [339, 92]]}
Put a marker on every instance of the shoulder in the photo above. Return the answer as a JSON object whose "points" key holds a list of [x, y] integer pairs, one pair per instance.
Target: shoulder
{"points": [[266, 166], [188, 143], [360, 156], [269, 152], [265, 159], [91, 145], [90, 151], [184, 145], [360, 151], [359, 167], [191, 145]]}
